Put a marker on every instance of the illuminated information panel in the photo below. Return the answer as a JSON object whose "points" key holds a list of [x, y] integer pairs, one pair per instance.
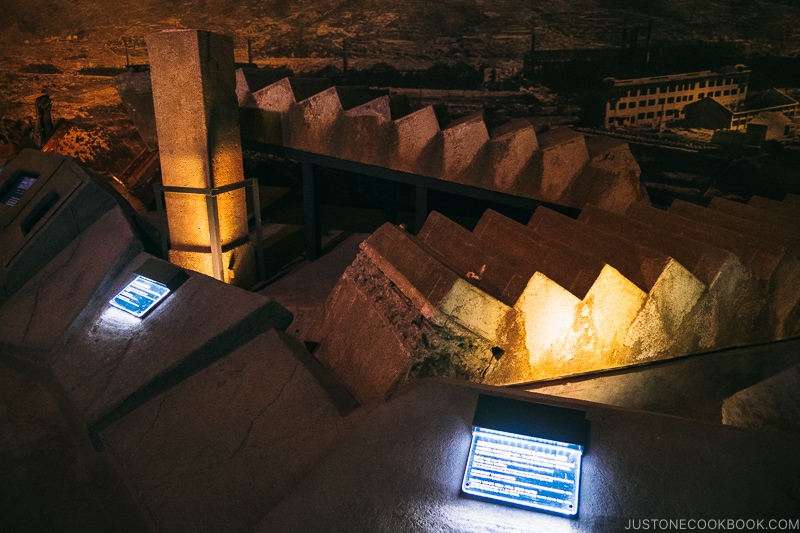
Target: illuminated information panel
{"points": [[18, 188], [524, 470], [526, 454], [139, 296]]}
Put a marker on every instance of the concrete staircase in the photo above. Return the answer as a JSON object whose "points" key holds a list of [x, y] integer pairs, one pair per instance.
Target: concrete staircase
{"points": [[509, 303], [558, 165]]}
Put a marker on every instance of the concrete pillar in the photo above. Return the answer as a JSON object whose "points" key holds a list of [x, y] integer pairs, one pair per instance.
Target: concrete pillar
{"points": [[194, 95]]}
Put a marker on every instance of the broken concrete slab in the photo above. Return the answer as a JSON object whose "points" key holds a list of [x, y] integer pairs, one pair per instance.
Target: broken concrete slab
{"points": [[771, 405], [780, 208], [221, 448], [68, 287], [402, 468], [418, 307], [113, 362], [691, 387]]}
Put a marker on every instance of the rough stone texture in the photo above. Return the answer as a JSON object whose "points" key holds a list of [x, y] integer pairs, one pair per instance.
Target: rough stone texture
{"points": [[531, 253], [562, 157], [390, 342], [733, 297], [462, 141], [74, 282], [773, 404], [218, 450], [780, 208], [402, 467], [194, 94], [75, 200], [366, 133], [309, 123], [408, 302], [414, 133], [611, 178], [114, 358], [472, 258], [784, 284], [691, 387], [511, 148]]}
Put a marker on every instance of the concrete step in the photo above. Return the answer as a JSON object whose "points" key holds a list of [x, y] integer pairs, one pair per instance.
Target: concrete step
{"points": [[510, 151], [733, 294], [772, 264], [611, 178], [661, 327], [772, 405], [785, 225], [469, 255], [639, 264], [530, 253], [463, 141], [563, 330], [780, 208], [761, 256], [414, 132], [762, 230], [562, 156]]}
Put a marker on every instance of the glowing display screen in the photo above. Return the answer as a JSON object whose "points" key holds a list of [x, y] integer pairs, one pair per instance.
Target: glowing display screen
{"points": [[522, 470], [21, 184], [139, 296]]}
